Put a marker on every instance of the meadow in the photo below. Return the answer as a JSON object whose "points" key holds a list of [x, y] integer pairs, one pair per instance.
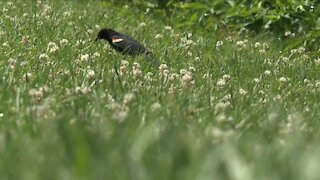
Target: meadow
{"points": [[218, 107]]}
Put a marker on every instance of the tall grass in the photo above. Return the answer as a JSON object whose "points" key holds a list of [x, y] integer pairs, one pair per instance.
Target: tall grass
{"points": [[217, 108]]}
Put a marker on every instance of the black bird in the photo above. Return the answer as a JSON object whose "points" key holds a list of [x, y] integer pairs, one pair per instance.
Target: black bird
{"points": [[125, 44]]}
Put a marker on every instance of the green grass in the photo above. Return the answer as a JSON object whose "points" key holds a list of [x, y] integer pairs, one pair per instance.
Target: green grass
{"points": [[231, 112]]}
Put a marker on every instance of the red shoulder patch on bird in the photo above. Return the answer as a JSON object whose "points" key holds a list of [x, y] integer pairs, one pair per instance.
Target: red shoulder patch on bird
{"points": [[116, 40]]}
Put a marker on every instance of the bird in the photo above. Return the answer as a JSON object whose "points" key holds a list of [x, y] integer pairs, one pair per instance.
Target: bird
{"points": [[126, 44]]}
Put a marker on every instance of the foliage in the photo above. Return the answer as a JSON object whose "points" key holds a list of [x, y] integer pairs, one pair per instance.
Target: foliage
{"points": [[298, 18]]}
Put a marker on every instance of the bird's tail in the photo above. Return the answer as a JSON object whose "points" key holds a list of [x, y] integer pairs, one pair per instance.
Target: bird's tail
{"points": [[152, 59]]}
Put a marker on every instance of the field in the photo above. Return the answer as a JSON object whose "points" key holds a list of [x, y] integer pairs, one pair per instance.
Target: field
{"points": [[218, 107]]}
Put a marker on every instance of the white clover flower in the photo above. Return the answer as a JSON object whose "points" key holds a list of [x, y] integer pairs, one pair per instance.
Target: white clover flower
{"points": [[110, 99], [27, 76], [212, 100], [165, 73], [25, 40], [242, 92], [66, 72], [44, 89], [159, 36], [257, 45], [83, 89], [42, 110], [80, 42], [96, 55], [168, 28], [221, 83], [189, 42], [5, 10], [12, 61], [67, 14], [229, 38], [305, 57], [187, 79], [43, 57], [2, 33], [226, 77], [9, 3], [241, 43], [89, 31], [217, 133], [221, 118], [124, 63], [84, 57], [136, 69], [148, 77], [284, 59], [46, 8], [265, 45], [128, 98], [163, 70], [97, 26], [136, 65], [261, 92], [173, 76], [120, 116], [147, 11], [23, 63], [91, 73], [222, 106], [306, 81], [287, 33], [221, 135], [256, 80], [32, 92], [5, 44], [77, 89], [293, 51], [219, 43], [262, 51], [52, 47], [206, 76], [183, 39], [183, 71], [64, 42], [301, 50], [317, 61], [36, 94], [123, 67], [155, 106], [172, 89], [143, 24], [114, 106], [267, 72], [283, 79]]}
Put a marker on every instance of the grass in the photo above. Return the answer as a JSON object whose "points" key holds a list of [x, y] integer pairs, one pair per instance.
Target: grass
{"points": [[240, 110]]}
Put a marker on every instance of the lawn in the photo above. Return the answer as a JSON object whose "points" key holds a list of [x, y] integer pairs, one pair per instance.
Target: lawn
{"points": [[218, 107]]}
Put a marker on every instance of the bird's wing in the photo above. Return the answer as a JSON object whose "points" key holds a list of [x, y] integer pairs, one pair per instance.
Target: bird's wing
{"points": [[127, 43], [116, 40]]}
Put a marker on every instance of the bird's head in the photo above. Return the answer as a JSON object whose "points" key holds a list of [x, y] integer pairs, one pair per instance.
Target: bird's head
{"points": [[105, 34]]}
